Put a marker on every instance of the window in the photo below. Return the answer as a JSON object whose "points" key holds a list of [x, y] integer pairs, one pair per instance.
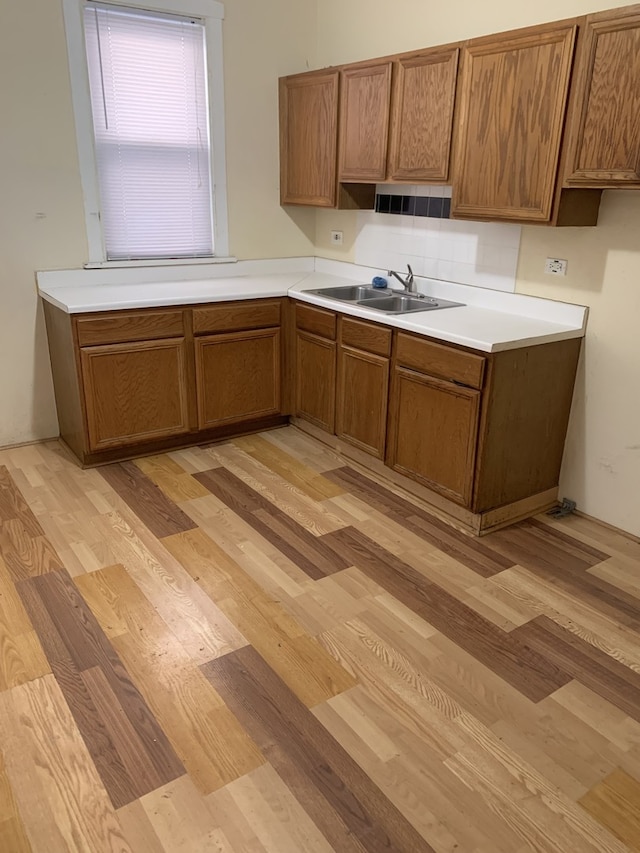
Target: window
{"points": [[151, 153]]}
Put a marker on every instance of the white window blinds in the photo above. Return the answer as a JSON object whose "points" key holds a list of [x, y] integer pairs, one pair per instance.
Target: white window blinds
{"points": [[147, 75]]}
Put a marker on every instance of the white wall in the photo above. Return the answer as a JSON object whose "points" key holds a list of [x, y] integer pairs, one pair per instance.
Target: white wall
{"points": [[601, 469], [41, 213]]}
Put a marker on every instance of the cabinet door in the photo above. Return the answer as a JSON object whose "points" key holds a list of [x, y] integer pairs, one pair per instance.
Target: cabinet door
{"points": [[135, 392], [605, 144], [363, 388], [316, 380], [237, 376], [512, 105], [364, 122], [422, 118], [308, 138], [433, 435]]}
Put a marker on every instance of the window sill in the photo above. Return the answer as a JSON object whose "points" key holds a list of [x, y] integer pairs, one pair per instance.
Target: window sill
{"points": [[157, 262]]}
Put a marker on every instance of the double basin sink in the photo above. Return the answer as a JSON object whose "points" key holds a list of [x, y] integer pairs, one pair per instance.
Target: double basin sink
{"points": [[384, 299]]}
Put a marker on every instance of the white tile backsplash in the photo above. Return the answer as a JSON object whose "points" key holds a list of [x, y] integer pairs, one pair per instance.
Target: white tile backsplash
{"points": [[481, 254]]}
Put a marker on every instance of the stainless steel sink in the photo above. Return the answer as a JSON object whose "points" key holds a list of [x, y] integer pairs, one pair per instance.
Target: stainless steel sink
{"points": [[403, 304], [355, 293], [383, 299]]}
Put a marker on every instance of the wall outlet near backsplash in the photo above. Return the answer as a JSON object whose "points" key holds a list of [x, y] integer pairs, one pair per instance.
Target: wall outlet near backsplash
{"points": [[411, 225]]}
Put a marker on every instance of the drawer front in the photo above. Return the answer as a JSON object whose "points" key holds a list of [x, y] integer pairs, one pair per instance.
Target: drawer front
{"points": [[439, 360], [122, 326], [366, 336], [316, 320], [236, 316]]}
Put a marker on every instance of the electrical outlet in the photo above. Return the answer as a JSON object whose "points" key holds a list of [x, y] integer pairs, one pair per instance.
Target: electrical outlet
{"points": [[336, 238], [555, 266]]}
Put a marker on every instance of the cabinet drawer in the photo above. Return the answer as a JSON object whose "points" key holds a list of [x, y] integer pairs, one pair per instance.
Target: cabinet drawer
{"points": [[316, 320], [439, 360], [122, 326], [235, 316], [366, 336]]}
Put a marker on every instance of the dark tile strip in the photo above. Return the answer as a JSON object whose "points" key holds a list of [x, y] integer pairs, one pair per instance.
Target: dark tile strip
{"points": [[436, 207], [76, 647], [592, 667], [308, 552], [348, 808], [13, 505], [472, 553], [150, 504], [528, 671]]}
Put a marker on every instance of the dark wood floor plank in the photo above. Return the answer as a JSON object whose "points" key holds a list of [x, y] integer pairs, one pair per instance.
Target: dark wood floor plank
{"points": [[331, 786], [469, 551], [75, 644], [534, 546], [534, 675], [148, 501], [576, 545], [592, 667], [307, 551], [13, 505], [115, 777], [26, 556]]}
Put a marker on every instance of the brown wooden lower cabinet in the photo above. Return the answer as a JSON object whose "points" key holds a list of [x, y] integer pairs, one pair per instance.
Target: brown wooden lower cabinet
{"points": [[481, 433], [315, 397], [433, 432], [135, 391], [237, 376], [361, 404]]}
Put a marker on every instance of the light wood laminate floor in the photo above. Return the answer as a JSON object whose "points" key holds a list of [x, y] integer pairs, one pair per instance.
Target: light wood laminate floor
{"points": [[256, 647]]}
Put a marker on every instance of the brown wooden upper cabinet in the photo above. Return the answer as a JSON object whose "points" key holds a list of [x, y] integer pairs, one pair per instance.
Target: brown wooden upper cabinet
{"points": [[364, 122], [513, 97], [604, 142], [422, 116], [308, 138]]}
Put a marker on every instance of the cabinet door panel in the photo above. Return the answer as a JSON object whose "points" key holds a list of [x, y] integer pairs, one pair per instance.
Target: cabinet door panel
{"points": [[606, 150], [512, 105], [135, 392], [434, 430], [316, 380], [237, 376], [363, 388], [309, 139], [424, 96], [364, 123]]}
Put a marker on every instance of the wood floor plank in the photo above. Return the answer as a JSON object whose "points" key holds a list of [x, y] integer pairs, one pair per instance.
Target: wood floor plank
{"points": [[304, 549], [301, 662], [26, 556], [502, 652], [336, 793], [176, 483], [201, 627], [615, 803], [13, 837], [62, 811], [204, 734], [148, 501], [592, 667], [471, 553], [301, 476], [74, 642], [14, 506]]}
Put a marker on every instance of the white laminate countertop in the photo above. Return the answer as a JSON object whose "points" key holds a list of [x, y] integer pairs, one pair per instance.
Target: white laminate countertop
{"points": [[489, 320]]}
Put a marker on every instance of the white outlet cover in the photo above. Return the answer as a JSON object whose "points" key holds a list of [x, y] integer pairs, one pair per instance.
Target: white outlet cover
{"points": [[555, 266], [336, 238]]}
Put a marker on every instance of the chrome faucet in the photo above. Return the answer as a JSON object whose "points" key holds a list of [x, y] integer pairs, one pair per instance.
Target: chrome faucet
{"points": [[407, 283]]}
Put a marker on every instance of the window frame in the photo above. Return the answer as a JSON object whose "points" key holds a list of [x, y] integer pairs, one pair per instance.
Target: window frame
{"points": [[211, 13]]}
